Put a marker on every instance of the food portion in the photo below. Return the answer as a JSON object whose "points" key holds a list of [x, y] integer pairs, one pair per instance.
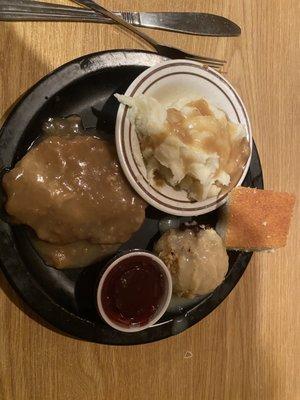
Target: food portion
{"points": [[197, 260], [190, 145], [72, 255], [70, 189], [255, 220], [134, 290], [252, 220]]}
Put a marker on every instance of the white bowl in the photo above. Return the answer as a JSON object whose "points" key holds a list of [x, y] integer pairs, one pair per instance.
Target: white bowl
{"points": [[163, 306], [168, 82]]}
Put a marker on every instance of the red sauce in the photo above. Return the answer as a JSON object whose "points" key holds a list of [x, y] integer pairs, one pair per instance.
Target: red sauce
{"points": [[133, 291]]}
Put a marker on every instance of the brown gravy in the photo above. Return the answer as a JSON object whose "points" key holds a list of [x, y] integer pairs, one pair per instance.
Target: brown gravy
{"points": [[72, 255], [70, 189]]}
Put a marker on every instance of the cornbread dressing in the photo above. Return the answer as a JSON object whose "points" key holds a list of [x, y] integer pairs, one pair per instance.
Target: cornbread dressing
{"points": [[198, 261]]}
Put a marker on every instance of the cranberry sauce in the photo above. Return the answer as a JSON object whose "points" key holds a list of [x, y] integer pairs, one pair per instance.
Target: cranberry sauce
{"points": [[133, 291]]}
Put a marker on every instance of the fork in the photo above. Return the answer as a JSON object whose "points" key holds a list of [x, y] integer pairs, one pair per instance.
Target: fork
{"points": [[163, 50]]}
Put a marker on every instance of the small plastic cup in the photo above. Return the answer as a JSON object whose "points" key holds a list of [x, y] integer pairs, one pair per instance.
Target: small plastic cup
{"points": [[112, 267]]}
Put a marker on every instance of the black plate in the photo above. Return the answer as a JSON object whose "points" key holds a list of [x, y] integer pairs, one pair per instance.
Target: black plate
{"points": [[65, 298]]}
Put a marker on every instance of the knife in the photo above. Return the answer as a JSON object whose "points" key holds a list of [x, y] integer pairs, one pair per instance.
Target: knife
{"points": [[184, 22]]}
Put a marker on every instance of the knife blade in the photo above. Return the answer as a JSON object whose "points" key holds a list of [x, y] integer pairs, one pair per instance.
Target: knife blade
{"points": [[184, 22]]}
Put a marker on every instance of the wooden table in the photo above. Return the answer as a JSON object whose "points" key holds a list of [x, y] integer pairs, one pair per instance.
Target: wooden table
{"points": [[247, 348]]}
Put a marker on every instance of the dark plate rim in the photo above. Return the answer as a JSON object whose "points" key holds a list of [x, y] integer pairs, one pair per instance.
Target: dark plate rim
{"points": [[20, 279]]}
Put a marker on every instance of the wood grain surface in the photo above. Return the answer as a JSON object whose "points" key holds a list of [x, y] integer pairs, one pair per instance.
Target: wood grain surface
{"points": [[248, 348]]}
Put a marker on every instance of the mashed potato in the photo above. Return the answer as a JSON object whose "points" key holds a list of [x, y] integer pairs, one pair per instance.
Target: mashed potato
{"points": [[191, 144]]}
